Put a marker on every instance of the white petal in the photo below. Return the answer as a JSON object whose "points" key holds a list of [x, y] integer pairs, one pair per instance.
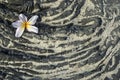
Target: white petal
{"points": [[32, 29], [33, 19], [16, 24], [19, 32], [22, 17]]}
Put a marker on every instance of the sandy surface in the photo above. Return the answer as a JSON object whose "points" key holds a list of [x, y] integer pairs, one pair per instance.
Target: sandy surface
{"points": [[77, 40]]}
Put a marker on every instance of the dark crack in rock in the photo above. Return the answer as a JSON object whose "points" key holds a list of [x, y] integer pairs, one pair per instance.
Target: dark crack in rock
{"points": [[77, 40]]}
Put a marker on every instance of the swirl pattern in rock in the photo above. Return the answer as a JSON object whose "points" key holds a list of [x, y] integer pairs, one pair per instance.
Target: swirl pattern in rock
{"points": [[77, 40]]}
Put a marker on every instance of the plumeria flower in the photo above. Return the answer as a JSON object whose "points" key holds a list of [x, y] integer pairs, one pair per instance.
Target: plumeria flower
{"points": [[23, 24]]}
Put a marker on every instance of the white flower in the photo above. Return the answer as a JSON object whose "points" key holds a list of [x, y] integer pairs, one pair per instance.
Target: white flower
{"points": [[23, 24]]}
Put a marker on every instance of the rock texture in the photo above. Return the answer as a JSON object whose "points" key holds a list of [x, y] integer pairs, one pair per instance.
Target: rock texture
{"points": [[77, 40]]}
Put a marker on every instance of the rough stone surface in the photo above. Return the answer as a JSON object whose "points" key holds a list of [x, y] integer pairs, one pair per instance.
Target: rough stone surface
{"points": [[77, 40]]}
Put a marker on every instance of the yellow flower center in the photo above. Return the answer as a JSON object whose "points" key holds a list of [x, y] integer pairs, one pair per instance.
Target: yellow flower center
{"points": [[25, 24]]}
